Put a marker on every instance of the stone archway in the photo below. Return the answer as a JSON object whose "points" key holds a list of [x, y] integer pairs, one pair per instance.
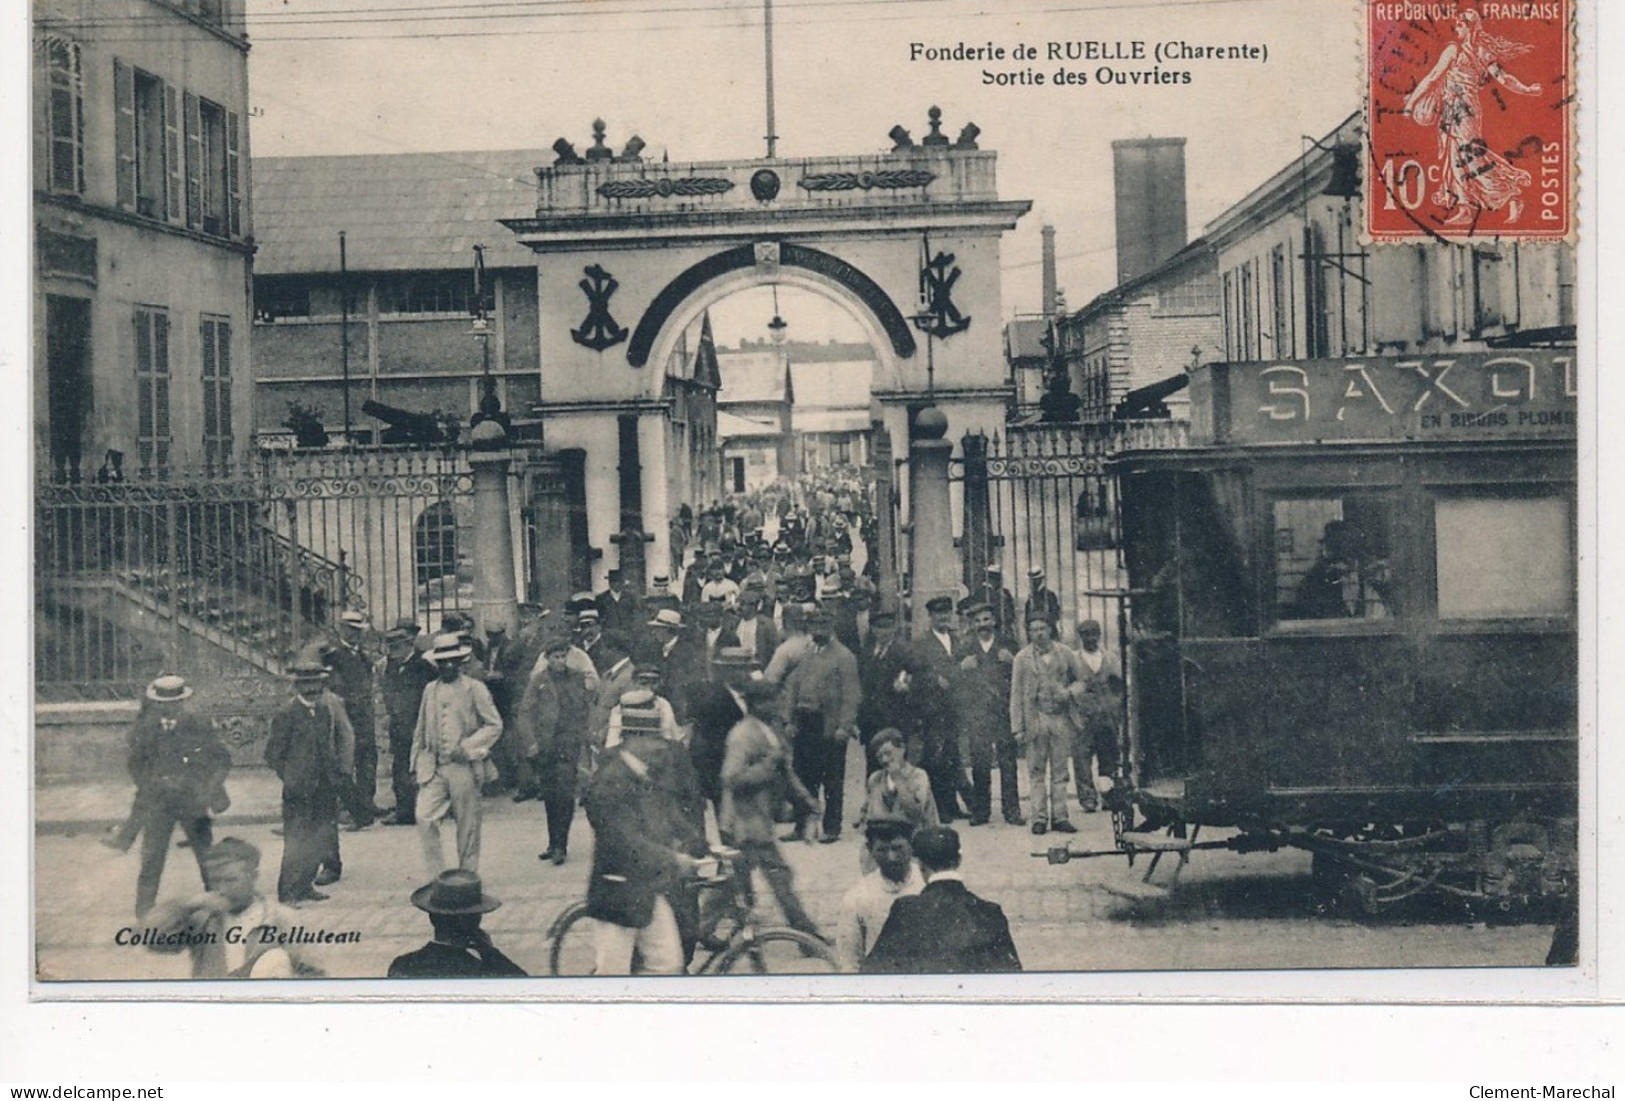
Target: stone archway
{"points": [[703, 285], [631, 252]]}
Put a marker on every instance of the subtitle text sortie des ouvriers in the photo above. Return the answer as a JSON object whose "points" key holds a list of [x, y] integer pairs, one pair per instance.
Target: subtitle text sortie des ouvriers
{"points": [[1132, 61]]}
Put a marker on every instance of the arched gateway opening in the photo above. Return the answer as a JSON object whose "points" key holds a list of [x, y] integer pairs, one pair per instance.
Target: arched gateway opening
{"points": [[630, 254]]}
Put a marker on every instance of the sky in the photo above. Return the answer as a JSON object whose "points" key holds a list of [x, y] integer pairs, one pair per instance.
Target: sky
{"points": [[369, 76]]}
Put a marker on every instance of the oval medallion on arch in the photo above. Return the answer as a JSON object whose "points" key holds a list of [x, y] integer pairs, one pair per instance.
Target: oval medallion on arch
{"points": [[829, 266]]}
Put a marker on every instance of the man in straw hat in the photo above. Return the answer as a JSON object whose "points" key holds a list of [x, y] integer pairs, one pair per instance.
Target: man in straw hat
{"points": [[179, 766], [457, 725], [309, 741], [643, 804], [231, 929], [455, 903]]}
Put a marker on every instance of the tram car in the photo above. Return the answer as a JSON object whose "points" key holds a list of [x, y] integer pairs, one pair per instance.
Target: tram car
{"points": [[1351, 625]]}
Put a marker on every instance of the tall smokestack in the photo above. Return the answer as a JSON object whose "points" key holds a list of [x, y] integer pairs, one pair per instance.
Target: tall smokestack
{"points": [[1149, 178], [1049, 271]]}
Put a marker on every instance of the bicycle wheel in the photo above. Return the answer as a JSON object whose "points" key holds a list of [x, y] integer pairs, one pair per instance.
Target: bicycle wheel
{"points": [[571, 947], [778, 952]]}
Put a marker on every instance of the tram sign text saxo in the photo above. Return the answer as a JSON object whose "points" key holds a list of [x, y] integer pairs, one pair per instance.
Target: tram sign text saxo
{"points": [[1435, 396]]}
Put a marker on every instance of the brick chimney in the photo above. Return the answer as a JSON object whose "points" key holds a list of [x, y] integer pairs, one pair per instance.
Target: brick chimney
{"points": [[1049, 271], [1149, 179]]}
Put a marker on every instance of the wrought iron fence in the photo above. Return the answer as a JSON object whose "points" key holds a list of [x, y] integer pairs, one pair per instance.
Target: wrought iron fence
{"points": [[238, 571], [1052, 506]]}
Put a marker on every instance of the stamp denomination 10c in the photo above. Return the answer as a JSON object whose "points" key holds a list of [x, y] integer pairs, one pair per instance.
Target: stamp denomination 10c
{"points": [[1469, 110]]}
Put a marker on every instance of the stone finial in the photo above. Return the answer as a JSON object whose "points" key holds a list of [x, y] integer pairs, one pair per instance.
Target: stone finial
{"points": [[967, 136], [633, 151], [566, 153], [599, 151], [900, 139], [936, 137]]}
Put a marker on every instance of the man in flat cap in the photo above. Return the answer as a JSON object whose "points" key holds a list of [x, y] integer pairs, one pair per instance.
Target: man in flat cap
{"points": [[822, 696], [455, 902], [552, 728], [986, 663], [933, 673], [945, 929], [457, 725], [310, 739], [402, 678], [351, 670]]}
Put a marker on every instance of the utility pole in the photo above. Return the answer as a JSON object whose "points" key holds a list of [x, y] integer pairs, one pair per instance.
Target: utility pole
{"points": [[772, 136], [344, 331]]}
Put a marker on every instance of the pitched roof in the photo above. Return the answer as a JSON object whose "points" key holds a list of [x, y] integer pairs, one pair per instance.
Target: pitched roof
{"points": [[399, 211], [733, 427], [706, 371]]}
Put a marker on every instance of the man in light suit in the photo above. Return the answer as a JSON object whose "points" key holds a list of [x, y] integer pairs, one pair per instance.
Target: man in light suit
{"points": [[458, 723], [945, 929]]}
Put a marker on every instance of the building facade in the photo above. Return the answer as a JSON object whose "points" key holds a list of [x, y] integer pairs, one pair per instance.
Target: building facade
{"points": [[1296, 283], [406, 337], [1144, 331], [143, 231]]}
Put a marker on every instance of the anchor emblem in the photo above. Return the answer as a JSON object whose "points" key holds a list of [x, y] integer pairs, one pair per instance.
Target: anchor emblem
{"points": [[599, 330], [940, 318]]}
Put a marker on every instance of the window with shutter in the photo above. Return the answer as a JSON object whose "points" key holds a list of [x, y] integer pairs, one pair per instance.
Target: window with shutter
{"points": [[217, 435], [172, 154], [151, 175], [234, 199], [152, 389], [194, 161], [65, 115], [124, 131]]}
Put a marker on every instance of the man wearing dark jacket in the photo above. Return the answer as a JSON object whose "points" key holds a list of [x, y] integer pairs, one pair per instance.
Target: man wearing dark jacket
{"points": [[401, 680], [455, 902], [305, 750], [985, 662], [945, 929], [352, 669], [553, 719], [642, 838], [179, 766]]}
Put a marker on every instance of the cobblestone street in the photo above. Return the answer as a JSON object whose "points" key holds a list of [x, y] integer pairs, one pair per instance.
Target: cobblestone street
{"points": [[1227, 911]]}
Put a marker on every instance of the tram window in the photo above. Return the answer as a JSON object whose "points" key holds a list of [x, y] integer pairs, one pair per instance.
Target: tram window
{"points": [[1332, 559], [1503, 557]]}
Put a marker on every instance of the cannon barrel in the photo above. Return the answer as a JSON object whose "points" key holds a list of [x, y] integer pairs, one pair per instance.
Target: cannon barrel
{"points": [[1147, 400], [405, 426]]}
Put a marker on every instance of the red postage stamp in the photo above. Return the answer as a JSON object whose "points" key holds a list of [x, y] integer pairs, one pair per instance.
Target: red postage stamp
{"points": [[1469, 109]]}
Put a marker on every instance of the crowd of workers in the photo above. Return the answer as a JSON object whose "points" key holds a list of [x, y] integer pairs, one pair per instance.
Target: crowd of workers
{"points": [[713, 707]]}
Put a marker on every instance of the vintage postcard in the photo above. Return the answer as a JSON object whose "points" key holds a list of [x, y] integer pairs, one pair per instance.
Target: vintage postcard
{"points": [[1058, 499]]}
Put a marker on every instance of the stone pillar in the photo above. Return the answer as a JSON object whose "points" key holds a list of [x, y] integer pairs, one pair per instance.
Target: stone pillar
{"points": [[495, 599], [977, 544], [885, 548], [551, 546], [934, 563]]}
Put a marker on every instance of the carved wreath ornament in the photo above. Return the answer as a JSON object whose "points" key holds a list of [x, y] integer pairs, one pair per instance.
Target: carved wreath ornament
{"points": [[665, 187], [891, 179]]}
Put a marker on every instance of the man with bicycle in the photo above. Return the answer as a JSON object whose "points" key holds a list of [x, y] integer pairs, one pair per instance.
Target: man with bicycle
{"points": [[641, 805]]}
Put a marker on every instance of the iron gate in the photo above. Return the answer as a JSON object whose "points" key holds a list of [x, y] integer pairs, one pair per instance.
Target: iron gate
{"points": [[1041, 497], [227, 575]]}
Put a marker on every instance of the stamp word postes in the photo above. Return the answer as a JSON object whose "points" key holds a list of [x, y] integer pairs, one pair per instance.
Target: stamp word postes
{"points": [[1469, 110]]}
